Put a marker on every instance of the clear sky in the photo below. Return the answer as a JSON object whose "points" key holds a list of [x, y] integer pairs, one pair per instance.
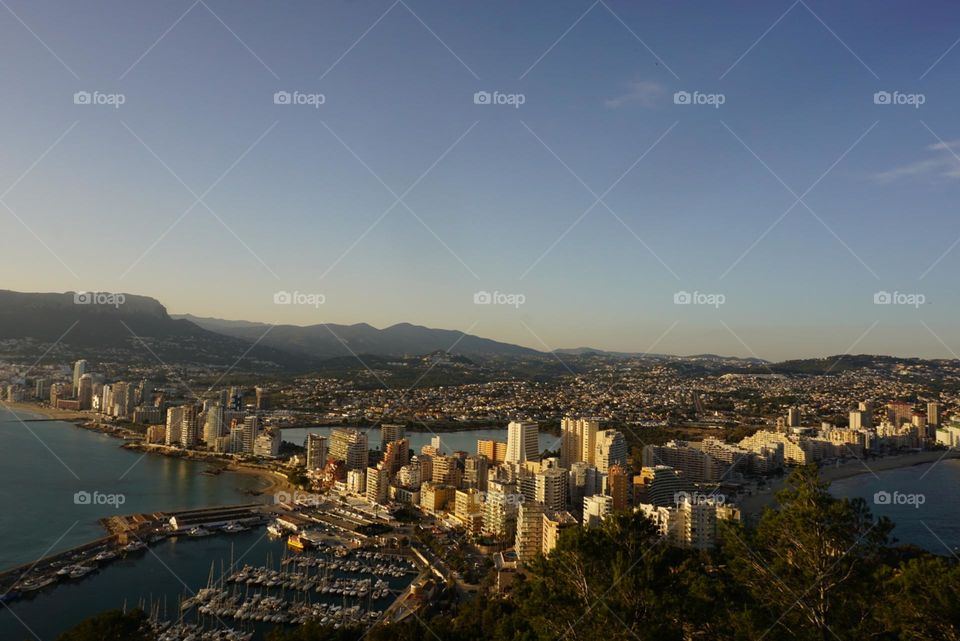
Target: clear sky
{"points": [[796, 200]]}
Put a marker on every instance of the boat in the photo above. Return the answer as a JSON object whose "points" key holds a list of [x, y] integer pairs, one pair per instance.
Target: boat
{"points": [[80, 571], [199, 531], [233, 527], [35, 583], [106, 555], [134, 546], [275, 529], [295, 542]]}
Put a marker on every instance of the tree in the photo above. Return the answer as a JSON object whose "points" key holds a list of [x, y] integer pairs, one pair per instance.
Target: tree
{"points": [[114, 625], [807, 567]]}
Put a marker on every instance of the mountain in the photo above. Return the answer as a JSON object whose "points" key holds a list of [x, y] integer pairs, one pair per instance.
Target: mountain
{"points": [[124, 328], [329, 340]]}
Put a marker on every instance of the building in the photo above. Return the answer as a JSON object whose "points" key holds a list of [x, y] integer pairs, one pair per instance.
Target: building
{"points": [[551, 489], [577, 440], [933, 413], [446, 471], [40, 388], [495, 451], [390, 433], [659, 485], [618, 487], [523, 442], [584, 481], [316, 446], [85, 391], [899, 413], [694, 464], [213, 424], [856, 421], [350, 446], [500, 509], [396, 454], [378, 484], [263, 400], [553, 526], [793, 417], [434, 497], [611, 449], [267, 444], [528, 542], [595, 509], [251, 429], [692, 522], [475, 472], [79, 369], [409, 475]]}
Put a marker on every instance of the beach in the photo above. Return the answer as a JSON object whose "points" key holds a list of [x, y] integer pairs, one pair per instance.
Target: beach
{"points": [[48, 412], [754, 505]]}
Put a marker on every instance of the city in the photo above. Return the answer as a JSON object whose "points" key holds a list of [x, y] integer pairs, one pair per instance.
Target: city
{"points": [[593, 320]]}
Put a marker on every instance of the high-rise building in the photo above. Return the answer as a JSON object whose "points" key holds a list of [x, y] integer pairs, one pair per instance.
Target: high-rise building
{"points": [[251, 429], [595, 509], [793, 417], [79, 369], [174, 425], [553, 526], [409, 475], [576, 434], [523, 442], [85, 391], [660, 485], [500, 509], [396, 454], [856, 420], [584, 482], [899, 413], [40, 390], [267, 444], [446, 471], [390, 433], [435, 497], [316, 451], [551, 488], [378, 483], [933, 413], [213, 425], [495, 451], [611, 449], [617, 487], [528, 542], [350, 446], [264, 400], [475, 472]]}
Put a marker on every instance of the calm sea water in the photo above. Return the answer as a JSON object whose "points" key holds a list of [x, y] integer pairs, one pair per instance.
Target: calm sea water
{"points": [[465, 440], [44, 464], [40, 463], [933, 521]]}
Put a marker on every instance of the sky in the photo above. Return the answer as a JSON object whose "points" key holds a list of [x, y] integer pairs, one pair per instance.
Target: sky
{"points": [[790, 169]]}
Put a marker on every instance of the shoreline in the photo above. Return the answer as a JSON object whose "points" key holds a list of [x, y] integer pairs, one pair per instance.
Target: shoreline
{"points": [[271, 481], [754, 505]]}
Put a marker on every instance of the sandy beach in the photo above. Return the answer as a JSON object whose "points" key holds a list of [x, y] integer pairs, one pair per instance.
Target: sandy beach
{"points": [[45, 411], [753, 505]]}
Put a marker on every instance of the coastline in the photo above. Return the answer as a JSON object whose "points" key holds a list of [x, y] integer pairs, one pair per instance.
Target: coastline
{"points": [[754, 505], [271, 481]]}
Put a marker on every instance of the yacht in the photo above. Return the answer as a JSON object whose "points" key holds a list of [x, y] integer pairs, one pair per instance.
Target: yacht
{"points": [[199, 531], [106, 555], [274, 529], [134, 546], [233, 527]]}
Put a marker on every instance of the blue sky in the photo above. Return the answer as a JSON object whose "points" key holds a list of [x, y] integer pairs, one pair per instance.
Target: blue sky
{"points": [[500, 195]]}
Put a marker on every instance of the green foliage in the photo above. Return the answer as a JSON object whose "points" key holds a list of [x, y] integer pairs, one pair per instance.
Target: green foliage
{"points": [[114, 625]]}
